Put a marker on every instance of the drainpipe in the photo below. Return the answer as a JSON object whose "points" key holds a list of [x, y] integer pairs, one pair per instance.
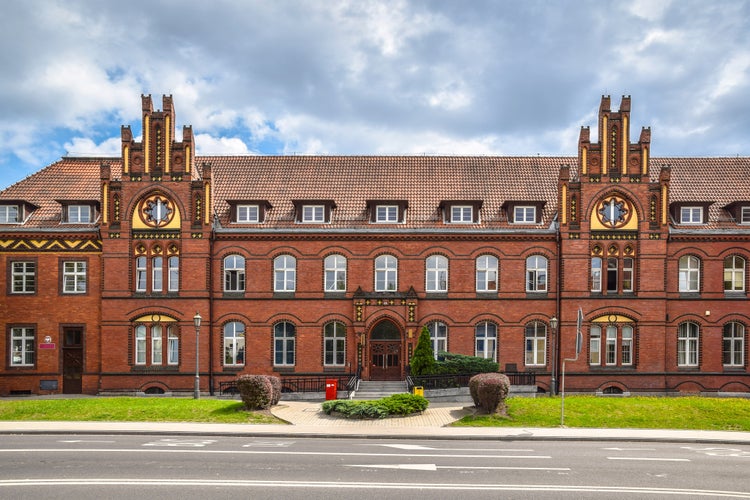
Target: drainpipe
{"points": [[558, 311], [211, 308]]}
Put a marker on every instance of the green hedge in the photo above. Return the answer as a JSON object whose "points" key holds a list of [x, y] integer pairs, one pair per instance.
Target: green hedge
{"points": [[396, 405], [449, 363]]}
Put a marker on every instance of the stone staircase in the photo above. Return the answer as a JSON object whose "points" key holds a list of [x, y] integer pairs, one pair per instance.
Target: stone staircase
{"points": [[376, 389]]}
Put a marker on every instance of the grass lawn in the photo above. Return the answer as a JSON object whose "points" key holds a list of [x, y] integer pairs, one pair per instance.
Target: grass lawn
{"points": [[125, 409], [696, 413]]}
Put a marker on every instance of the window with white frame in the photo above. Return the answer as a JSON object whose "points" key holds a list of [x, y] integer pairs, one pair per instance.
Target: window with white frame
{"points": [[173, 275], [618, 345], [462, 214], [595, 345], [689, 274], [687, 344], [436, 273], [334, 344], [284, 336], [313, 213], [745, 215], [23, 277], [733, 346], [691, 215], [141, 271], [157, 273], [22, 344], [234, 344], [734, 274], [154, 336], [8, 214], [524, 214], [234, 273], [536, 274], [535, 335], [335, 273], [74, 277], [79, 214], [619, 274], [487, 268], [485, 340], [438, 337], [248, 213], [386, 273], [285, 273], [386, 214]]}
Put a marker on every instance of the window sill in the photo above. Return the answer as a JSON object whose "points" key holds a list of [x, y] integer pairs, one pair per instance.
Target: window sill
{"points": [[334, 295], [690, 295], [486, 295], [283, 295]]}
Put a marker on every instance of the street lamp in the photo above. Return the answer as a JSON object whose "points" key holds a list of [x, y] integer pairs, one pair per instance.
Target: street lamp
{"points": [[197, 390], [553, 325]]}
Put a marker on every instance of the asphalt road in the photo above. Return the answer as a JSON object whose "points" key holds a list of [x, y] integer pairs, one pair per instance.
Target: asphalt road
{"points": [[195, 467]]}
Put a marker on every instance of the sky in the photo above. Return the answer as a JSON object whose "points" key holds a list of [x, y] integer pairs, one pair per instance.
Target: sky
{"points": [[479, 77]]}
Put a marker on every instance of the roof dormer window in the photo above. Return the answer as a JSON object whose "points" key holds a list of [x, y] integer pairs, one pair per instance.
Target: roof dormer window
{"points": [[691, 215], [745, 215], [248, 211], [313, 211], [461, 212], [78, 214], [524, 214], [387, 211], [9, 214]]}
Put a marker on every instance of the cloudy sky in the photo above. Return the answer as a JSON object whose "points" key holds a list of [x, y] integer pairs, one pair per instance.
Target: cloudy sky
{"points": [[371, 77]]}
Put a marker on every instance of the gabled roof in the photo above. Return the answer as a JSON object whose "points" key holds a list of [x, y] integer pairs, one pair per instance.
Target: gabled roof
{"points": [[70, 179], [351, 181]]}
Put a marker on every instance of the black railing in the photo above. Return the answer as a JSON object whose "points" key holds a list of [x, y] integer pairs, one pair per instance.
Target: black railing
{"points": [[301, 382], [462, 380]]}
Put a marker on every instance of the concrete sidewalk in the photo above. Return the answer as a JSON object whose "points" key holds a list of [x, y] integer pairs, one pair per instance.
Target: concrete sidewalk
{"points": [[307, 420]]}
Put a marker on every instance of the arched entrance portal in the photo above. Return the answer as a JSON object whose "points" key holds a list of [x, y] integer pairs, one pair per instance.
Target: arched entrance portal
{"points": [[385, 351]]}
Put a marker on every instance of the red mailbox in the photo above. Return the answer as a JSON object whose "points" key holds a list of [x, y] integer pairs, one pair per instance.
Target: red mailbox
{"points": [[332, 388]]}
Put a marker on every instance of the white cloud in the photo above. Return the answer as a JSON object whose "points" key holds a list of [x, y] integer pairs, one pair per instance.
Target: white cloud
{"points": [[206, 144], [83, 146]]}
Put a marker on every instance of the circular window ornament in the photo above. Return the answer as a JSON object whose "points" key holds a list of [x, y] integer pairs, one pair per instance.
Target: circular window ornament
{"points": [[614, 212], [156, 211]]}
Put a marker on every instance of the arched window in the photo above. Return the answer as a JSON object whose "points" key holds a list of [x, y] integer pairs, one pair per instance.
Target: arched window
{"points": [[485, 340], [734, 274], [536, 274], [487, 273], [154, 336], [234, 273], [690, 273], [334, 344], [687, 344], [285, 273], [436, 273], [335, 273], [733, 349], [386, 273], [438, 336], [234, 343], [284, 335], [536, 344]]}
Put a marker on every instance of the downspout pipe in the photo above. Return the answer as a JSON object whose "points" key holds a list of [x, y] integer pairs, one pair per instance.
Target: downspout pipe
{"points": [[558, 311]]}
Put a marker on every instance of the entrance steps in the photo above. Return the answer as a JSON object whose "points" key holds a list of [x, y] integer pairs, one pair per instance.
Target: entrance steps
{"points": [[376, 389]]}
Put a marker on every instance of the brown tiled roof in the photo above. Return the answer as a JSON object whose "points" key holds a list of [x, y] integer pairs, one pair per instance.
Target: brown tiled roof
{"points": [[74, 179], [350, 181]]}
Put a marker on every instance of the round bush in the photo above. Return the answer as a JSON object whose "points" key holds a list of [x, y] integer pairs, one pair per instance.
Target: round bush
{"points": [[256, 391], [488, 391]]}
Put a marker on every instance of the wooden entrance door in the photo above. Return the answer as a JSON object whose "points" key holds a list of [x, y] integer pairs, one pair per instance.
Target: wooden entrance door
{"points": [[385, 360], [72, 360], [386, 348]]}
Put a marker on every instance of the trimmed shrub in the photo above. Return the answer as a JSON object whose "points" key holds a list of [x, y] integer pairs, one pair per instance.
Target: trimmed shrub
{"points": [[398, 404], [276, 387], [489, 391], [449, 363], [423, 360], [256, 391]]}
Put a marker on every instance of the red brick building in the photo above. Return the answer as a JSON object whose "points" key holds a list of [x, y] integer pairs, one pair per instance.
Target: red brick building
{"points": [[332, 264]]}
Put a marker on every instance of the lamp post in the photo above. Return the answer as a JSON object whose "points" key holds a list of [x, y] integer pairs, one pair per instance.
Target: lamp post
{"points": [[197, 390], [553, 325]]}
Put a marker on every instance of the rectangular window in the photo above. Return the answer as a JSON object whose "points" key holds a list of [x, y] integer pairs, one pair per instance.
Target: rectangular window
{"points": [[626, 354], [612, 275], [627, 274], [22, 346], [596, 274], [156, 274], [313, 213], [140, 274], [23, 276], [156, 345], [74, 277], [8, 214], [386, 214], [174, 274], [595, 343], [173, 348], [462, 214], [78, 214], [745, 215], [611, 345], [524, 215], [248, 213], [691, 215]]}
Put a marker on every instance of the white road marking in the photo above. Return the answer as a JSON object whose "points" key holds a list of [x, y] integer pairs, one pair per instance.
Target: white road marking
{"points": [[83, 441], [434, 467], [650, 459], [194, 443]]}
